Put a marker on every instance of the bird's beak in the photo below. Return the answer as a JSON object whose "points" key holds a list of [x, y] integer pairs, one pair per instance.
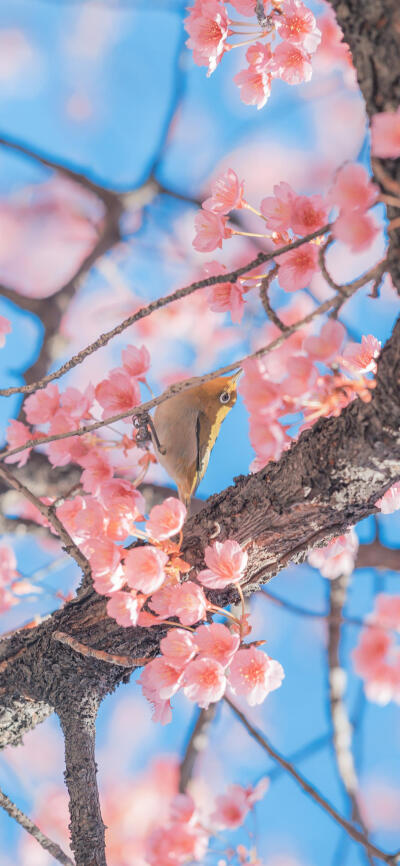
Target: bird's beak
{"points": [[236, 376]]}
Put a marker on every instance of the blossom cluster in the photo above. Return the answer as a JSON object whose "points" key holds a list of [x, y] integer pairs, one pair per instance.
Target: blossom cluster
{"points": [[64, 412], [288, 217], [311, 375], [281, 47], [377, 656], [186, 835]]}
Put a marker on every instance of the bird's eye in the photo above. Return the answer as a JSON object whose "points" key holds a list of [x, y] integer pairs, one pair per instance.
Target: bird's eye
{"points": [[225, 397]]}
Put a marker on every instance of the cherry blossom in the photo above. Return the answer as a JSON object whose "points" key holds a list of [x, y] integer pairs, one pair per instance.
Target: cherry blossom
{"points": [[217, 642], [5, 328], [361, 357], [328, 343], [353, 189], [231, 808], [207, 25], [297, 267], [269, 439], [226, 564], [292, 63], [226, 194], [8, 565], [308, 214], [60, 452], [211, 231], [124, 607], [390, 501], [118, 393], [385, 134], [178, 647], [387, 611], [371, 651], [255, 81], [338, 557], [77, 403], [160, 679], [204, 681], [356, 230], [224, 297], [189, 603], [144, 568], [297, 24], [166, 519], [253, 674], [17, 434], [41, 406], [277, 209], [97, 470], [136, 362]]}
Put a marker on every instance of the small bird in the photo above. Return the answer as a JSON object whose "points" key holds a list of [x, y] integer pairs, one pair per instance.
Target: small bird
{"points": [[186, 427]]}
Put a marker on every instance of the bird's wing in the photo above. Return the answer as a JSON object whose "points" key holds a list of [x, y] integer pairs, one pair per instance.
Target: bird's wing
{"points": [[206, 434]]}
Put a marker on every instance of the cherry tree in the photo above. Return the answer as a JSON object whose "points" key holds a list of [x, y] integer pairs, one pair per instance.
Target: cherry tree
{"points": [[277, 263]]}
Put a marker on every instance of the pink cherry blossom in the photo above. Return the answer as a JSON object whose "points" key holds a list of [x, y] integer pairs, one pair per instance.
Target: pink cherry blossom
{"points": [[217, 642], [361, 357], [163, 601], [298, 25], [255, 81], [77, 403], [269, 439], [118, 393], [97, 470], [371, 651], [207, 26], [166, 519], [178, 648], [338, 557], [90, 518], [8, 565], [226, 564], [353, 189], [390, 501], [172, 846], [231, 808], [226, 194], [189, 603], [204, 681], [105, 558], [60, 452], [260, 395], [124, 607], [5, 328], [7, 600], [292, 63], [160, 680], [136, 362], [182, 808], [309, 213], [328, 343], [356, 230], [224, 297], [67, 512], [297, 267], [387, 611], [253, 674], [124, 504], [302, 375], [383, 685], [277, 209], [41, 407], [17, 434], [144, 568], [211, 231], [245, 7], [385, 134]]}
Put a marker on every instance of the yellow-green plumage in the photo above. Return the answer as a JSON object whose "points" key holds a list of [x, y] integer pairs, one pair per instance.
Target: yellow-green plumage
{"points": [[187, 426]]}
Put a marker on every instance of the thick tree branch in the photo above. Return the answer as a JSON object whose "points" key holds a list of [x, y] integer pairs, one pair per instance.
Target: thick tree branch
{"points": [[78, 721], [32, 828]]}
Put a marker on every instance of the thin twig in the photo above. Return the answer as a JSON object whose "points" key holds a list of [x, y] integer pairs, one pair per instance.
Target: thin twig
{"points": [[197, 742], [47, 511], [100, 655], [264, 297], [310, 789], [32, 828], [341, 727], [157, 305]]}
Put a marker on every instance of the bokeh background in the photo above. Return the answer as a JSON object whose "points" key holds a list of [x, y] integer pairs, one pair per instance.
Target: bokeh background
{"points": [[108, 89]]}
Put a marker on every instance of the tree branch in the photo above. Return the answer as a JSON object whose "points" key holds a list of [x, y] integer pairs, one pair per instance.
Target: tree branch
{"points": [[78, 720], [196, 744], [32, 828], [310, 789]]}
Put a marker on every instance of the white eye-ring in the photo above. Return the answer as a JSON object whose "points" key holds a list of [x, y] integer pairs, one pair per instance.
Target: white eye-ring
{"points": [[225, 397]]}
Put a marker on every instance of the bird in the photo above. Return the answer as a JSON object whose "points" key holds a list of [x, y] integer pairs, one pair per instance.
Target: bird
{"points": [[185, 428]]}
